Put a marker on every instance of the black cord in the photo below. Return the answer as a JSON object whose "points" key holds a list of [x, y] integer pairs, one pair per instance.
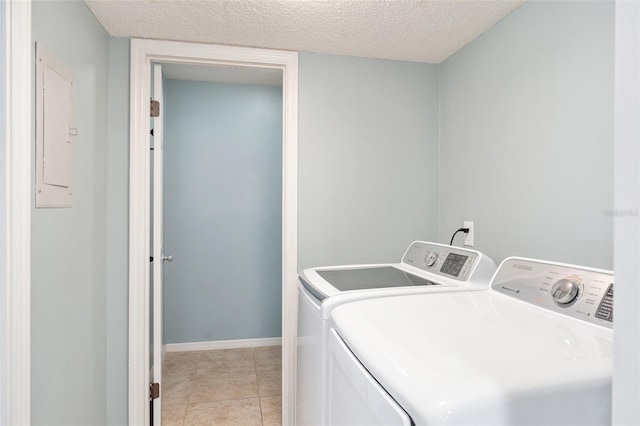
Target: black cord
{"points": [[465, 230]]}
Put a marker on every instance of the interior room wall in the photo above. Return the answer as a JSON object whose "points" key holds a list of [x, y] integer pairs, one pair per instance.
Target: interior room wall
{"points": [[222, 211], [350, 108], [117, 232], [68, 288], [526, 135], [368, 158], [539, 83]]}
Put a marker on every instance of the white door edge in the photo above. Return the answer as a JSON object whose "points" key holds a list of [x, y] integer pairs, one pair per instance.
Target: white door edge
{"points": [[158, 191], [15, 284], [143, 52]]}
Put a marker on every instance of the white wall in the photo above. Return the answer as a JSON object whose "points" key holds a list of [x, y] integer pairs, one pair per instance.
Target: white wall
{"points": [[68, 285], [368, 158], [626, 374], [526, 135]]}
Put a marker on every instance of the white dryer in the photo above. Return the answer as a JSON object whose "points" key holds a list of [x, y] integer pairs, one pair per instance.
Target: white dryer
{"points": [[425, 268], [536, 349]]}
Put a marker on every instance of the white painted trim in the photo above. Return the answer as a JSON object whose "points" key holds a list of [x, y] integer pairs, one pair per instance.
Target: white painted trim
{"points": [[290, 239], [158, 266], [139, 203], [626, 228], [16, 309], [223, 344], [143, 52]]}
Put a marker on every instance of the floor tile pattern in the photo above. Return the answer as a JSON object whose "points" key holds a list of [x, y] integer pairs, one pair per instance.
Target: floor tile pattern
{"points": [[222, 387]]}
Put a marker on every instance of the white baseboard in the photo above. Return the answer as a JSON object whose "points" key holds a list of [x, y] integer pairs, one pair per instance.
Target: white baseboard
{"points": [[222, 344]]}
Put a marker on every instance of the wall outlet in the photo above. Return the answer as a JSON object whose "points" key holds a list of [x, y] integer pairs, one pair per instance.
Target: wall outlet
{"points": [[468, 241]]}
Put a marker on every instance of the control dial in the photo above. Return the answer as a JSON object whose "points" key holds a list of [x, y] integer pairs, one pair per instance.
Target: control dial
{"points": [[565, 292], [431, 258]]}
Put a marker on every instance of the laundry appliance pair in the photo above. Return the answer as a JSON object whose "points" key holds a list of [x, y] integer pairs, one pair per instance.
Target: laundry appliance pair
{"points": [[535, 347]]}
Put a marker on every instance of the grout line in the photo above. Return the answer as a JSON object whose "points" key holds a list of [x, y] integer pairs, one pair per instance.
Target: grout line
{"points": [[261, 414]]}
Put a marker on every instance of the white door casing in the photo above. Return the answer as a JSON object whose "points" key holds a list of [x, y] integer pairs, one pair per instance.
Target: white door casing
{"points": [[143, 53], [15, 234], [158, 240]]}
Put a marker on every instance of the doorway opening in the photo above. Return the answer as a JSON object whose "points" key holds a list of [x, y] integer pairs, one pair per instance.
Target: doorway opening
{"points": [[143, 54], [219, 141]]}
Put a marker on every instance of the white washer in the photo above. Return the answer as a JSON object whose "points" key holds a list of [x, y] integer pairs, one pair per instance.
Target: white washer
{"points": [[536, 349], [425, 268]]}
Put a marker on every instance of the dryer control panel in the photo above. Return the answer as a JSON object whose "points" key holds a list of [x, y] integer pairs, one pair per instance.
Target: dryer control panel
{"points": [[576, 291], [447, 261]]}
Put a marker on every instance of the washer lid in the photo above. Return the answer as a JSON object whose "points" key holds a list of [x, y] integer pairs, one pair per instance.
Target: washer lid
{"points": [[423, 264], [372, 277], [481, 358]]}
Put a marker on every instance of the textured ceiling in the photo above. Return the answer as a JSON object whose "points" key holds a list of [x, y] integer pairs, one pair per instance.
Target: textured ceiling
{"points": [[223, 74], [411, 30]]}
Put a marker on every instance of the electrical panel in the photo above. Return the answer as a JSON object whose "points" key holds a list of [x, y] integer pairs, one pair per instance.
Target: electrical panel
{"points": [[54, 131]]}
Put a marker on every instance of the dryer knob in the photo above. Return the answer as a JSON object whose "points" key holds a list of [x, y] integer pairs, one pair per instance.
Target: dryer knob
{"points": [[565, 292], [430, 258]]}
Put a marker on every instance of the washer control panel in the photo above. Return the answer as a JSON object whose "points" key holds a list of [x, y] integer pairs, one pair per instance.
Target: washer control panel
{"points": [[580, 292], [452, 262]]}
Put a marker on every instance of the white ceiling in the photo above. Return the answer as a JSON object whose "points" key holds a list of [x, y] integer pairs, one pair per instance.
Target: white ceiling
{"points": [[410, 30]]}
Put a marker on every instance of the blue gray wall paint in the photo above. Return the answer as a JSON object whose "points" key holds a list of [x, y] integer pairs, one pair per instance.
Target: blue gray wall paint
{"points": [[368, 158], [117, 231], [69, 246], [222, 211], [345, 110], [526, 135]]}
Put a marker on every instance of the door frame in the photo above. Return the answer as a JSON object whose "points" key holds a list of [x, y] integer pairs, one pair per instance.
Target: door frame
{"points": [[143, 53], [15, 203]]}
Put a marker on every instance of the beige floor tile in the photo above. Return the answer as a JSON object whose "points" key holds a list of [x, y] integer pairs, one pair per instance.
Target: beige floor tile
{"points": [[180, 364], [177, 372], [182, 358], [224, 386], [268, 358], [223, 413], [269, 365], [269, 383], [227, 362], [173, 415], [267, 351], [271, 407], [228, 354], [177, 376], [175, 391]]}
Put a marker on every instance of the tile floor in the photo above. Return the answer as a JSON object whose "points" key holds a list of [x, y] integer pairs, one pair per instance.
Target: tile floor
{"points": [[222, 387]]}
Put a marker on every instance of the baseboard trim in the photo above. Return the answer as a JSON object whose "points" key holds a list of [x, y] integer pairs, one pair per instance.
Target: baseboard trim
{"points": [[222, 344]]}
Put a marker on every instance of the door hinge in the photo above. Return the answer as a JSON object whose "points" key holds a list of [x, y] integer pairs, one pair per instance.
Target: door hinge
{"points": [[155, 108], [154, 391]]}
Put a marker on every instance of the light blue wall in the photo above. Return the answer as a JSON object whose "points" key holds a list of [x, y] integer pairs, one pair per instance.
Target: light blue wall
{"points": [[368, 158], [526, 135], [222, 211], [359, 118], [69, 246], [117, 231]]}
